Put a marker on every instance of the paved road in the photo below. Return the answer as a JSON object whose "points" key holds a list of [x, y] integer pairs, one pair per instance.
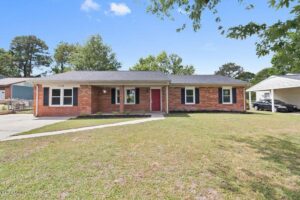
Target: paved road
{"points": [[17, 123]]}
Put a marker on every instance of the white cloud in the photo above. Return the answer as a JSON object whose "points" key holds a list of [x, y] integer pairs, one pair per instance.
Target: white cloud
{"points": [[88, 5], [119, 9]]}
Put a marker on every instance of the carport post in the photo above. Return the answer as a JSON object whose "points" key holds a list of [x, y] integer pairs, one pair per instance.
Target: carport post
{"points": [[250, 101], [272, 100]]}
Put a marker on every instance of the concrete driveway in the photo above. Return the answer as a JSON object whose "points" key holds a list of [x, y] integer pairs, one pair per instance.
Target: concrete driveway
{"points": [[17, 123]]}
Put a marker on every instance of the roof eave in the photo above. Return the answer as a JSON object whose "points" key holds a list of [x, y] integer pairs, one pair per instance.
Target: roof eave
{"points": [[210, 84], [147, 82]]}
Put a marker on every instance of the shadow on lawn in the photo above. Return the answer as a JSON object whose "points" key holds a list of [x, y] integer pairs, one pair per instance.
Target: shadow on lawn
{"points": [[283, 153], [280, 151]]}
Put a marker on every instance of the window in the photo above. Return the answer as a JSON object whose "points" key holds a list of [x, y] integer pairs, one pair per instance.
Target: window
{"points": [[61, 97], [190, 95], [130, 96], [68, 96], [266, 95], [227, 95], [55, 99], [117, 96]]}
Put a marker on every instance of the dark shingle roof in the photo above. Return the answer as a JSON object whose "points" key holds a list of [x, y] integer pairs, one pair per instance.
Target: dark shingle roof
{"points": [[205, 80], [139, 76], [107, 76]]}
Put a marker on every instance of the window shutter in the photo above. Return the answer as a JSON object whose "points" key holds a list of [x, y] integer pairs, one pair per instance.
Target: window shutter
{"points": [[233, 95], [46, 96], [182, 96], [113, 95], [75, 96], [137, 95], [197, 95], [220, 96]]}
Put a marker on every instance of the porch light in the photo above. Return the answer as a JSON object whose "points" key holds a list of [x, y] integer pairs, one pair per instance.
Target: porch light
{"points": [[104, 91]]}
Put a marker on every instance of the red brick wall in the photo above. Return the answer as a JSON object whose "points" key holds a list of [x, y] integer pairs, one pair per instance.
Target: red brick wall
{"points": [[104, 101], [7, 91], [106, 106], [85, 99], [92, 99], [52, 111], [209, 100]]}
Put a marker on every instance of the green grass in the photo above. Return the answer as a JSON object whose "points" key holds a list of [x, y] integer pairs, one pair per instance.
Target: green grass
{"points": [[24, 112], [75, 123], [212, 156]]}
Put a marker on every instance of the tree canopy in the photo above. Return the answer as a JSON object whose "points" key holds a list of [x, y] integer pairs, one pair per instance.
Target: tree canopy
{"points": [[235, 71], [262, 75], [169, 64], [29, 52], [6, 64], [94, 55], [281, 37], [62, 57]]}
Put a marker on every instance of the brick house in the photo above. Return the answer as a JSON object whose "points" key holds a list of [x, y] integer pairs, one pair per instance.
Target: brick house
{"points": [[88, 92]]}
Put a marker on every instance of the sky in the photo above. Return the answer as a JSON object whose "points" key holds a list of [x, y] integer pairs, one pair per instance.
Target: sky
{"points": [[133, 33]]}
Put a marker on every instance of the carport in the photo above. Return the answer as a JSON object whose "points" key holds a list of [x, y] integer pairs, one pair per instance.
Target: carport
{"points": [[282, 87]]}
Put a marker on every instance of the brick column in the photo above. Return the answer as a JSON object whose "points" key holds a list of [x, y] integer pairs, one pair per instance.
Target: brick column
{"points": [[85, 99], [122, 99]]}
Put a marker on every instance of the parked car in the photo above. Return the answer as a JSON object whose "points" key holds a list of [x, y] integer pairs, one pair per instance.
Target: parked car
{"points": [[280, 106]]}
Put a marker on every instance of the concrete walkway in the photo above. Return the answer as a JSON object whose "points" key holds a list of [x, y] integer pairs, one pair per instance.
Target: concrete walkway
{"points": [[17, 123], [154, 117]]}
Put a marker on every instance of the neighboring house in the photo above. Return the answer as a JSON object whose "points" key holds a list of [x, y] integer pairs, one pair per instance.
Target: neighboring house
{"points": [[262, 95], [16, 88], [89, 92], [282, 87]]}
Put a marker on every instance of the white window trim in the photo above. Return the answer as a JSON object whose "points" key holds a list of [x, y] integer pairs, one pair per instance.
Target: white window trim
{"points": [[227, 88], [116, 95], [125, 99], [185, 96], [61, 97]]}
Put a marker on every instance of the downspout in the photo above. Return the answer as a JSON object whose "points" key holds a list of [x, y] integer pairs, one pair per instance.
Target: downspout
{"points": [[11, 91], [37, 100], [245, 100], [167, 99], [11, 97]]}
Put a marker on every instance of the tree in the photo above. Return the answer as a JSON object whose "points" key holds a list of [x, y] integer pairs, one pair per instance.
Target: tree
{"points": [[94, 55], [287, 59], [272, 38], [246, 76], [29, 52], [262, 75], [169, 64], [235, 71], [62, 55], [177, 68], [230, 69], [6, 64]]}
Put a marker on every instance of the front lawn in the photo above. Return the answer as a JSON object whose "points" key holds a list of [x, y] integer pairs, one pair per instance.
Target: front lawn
{"points": [[76, 123], [197, 156]]}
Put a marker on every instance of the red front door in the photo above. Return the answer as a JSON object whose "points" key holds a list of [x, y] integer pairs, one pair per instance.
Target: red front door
{"points": [[155, 99]]}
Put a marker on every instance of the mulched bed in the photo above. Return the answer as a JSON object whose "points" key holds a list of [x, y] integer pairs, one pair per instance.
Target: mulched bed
{"points": [[111, 116]]}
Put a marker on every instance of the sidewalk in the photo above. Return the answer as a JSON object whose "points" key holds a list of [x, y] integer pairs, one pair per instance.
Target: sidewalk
{"points": [[152, 118]]}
